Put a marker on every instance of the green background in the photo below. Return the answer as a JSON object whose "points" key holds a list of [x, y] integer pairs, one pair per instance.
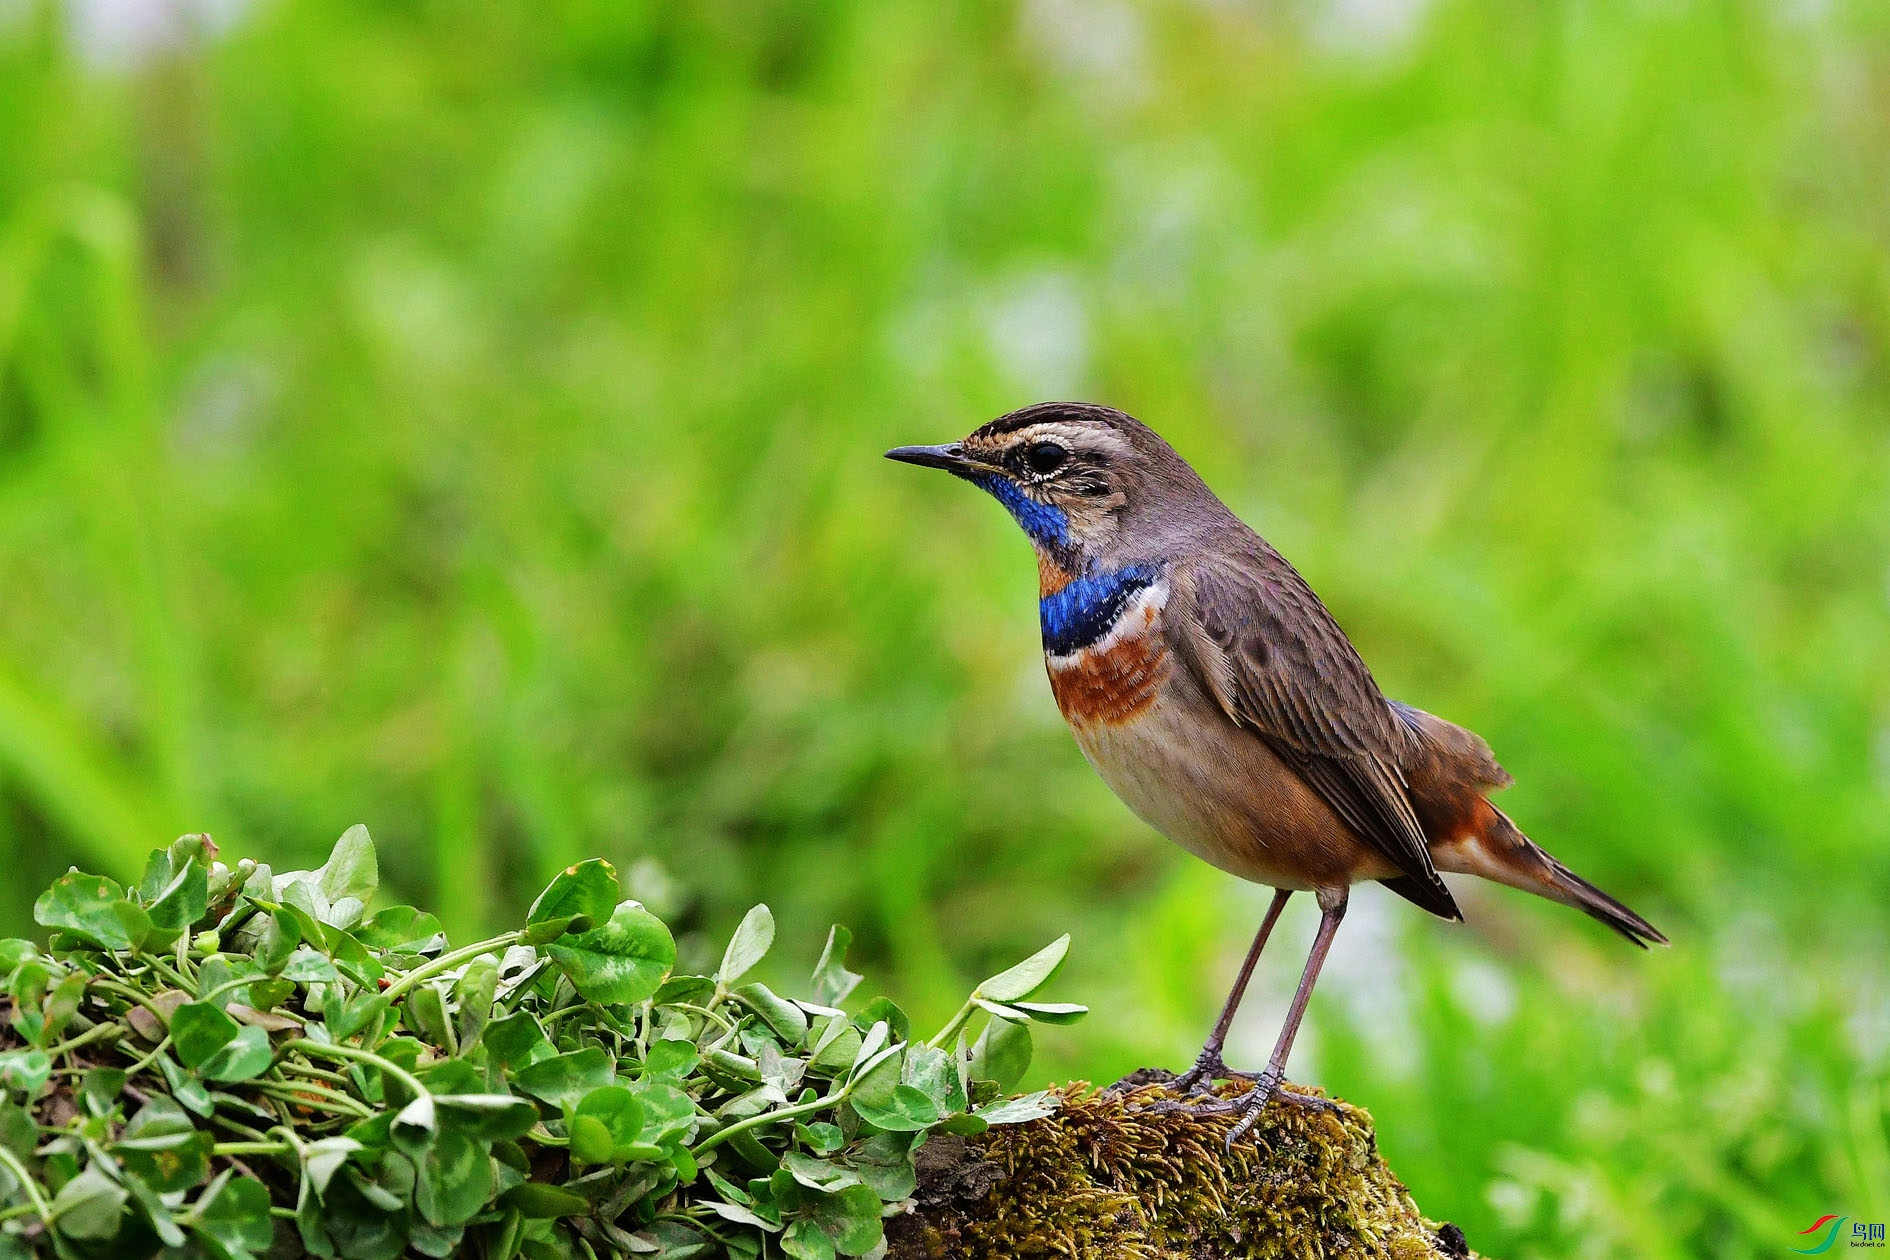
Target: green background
{"points": [[465, 418]]}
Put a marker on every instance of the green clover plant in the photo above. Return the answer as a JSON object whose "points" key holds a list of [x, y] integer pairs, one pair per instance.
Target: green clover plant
{"points": [[227, 1062]]}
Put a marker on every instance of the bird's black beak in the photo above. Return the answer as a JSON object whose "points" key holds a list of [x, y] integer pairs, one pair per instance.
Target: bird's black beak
{"points": [[950, 457]]}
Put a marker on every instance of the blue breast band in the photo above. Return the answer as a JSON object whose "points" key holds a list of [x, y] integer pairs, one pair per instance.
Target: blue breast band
{"points": [[1084, 611]]}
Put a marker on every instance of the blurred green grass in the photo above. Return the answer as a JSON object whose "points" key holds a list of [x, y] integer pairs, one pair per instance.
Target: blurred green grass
{"points": [[465, 419]]}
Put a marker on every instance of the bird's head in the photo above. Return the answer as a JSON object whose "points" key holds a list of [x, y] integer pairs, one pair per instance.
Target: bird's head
{"points": [[1088, 484]]}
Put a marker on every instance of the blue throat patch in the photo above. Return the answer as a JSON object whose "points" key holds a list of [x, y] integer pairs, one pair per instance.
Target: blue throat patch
{"points": [[1046, 525], [1083, 612]]}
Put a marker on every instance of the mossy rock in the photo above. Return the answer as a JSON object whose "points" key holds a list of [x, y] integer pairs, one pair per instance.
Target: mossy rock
{"points": [[1104, 1179]]}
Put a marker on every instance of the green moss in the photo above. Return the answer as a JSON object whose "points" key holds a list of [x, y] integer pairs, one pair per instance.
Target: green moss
{"points": [[1105, 1179]]}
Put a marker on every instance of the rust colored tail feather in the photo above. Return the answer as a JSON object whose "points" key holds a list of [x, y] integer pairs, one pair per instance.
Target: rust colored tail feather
{"points": [[1501, 852]]}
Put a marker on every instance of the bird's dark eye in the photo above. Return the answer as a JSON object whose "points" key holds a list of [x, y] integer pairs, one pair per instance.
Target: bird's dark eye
{"points": [[1044, 458]]}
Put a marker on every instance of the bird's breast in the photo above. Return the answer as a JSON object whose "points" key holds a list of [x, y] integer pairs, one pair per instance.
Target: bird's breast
{"points": [[1102, 642]]}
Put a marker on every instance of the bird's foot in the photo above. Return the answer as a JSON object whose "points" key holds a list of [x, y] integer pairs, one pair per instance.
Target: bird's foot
{"points": [[1267, 1088], [1207, 1069]]}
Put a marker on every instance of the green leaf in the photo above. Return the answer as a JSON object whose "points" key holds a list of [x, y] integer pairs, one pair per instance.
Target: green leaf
{"points": [[25, 1071], [850, 1219], [199, 1030], [306, 966], [577, 900], [397, 927], [906, 1110], [452, 1076], [15, 950], [788, 1020], [805, 1240], [217, 979], [1052, 1012], [186, 1088], [244, 1058], [18, 1132], [567, 1077], [964, 1124], [881, 1008], [1020, 1109], [164, 1147], [819, 1174], [473, 992], [517, 1039], [62, 1003], [426, 1014], [415, 1124], [820, 1137], [879, 1075], [668, 1113], [884, 1162], [1028, 976], [92, 908], [590, 1140], [443, 1241], [932, 1073], [323, 1159], [622, 961], [182, 900], [453, 1179], [832, 981], [234, 1211], [150, 1207], [90, 1207], [277, 935], [352, 870], [671, 1060], [367, 1220], [355, 960], [615, 1114], [1002, 1054], [540, 1201], [346, 1016], [487, 1117], [754, 936]]}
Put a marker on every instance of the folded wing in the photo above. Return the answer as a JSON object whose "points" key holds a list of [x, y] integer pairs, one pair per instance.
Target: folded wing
{"points": [[1271, 654]]}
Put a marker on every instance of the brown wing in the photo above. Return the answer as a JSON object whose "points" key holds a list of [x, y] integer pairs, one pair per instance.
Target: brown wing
{"points": [[1270, 653]]}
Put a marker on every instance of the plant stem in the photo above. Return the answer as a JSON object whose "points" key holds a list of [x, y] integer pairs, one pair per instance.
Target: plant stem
{"points": [[446, 962], [126, 991], [149, 1058], [323, 1049], [769, 1117], [27, 1183], [86, 1038], [715, 1015], [170, 973], [227, 986], [957, 1021], [309, 1094], [252, 1148], [313, 1072]]}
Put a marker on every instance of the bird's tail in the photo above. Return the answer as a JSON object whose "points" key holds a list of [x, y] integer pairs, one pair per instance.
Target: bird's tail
{"points": [[1499, 851]]}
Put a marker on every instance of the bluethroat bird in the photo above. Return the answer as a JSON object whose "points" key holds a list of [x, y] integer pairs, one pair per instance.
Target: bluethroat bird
{"points": [[1217, 697]]}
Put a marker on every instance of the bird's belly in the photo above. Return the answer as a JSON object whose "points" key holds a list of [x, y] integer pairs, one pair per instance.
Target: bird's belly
{"points": [[1221, 794]]}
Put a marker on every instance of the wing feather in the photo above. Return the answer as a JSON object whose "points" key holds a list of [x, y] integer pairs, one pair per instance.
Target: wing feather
{"points": [[1277, 662]]}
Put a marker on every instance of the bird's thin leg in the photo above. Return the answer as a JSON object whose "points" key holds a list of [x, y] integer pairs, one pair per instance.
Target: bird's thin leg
{"points": [[1268, 1085], [1208, 1068]]}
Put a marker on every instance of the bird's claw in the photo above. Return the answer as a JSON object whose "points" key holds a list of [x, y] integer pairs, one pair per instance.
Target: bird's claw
{"points": [[1200, 1101], [1266, 1088], [1207, 1069]]}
